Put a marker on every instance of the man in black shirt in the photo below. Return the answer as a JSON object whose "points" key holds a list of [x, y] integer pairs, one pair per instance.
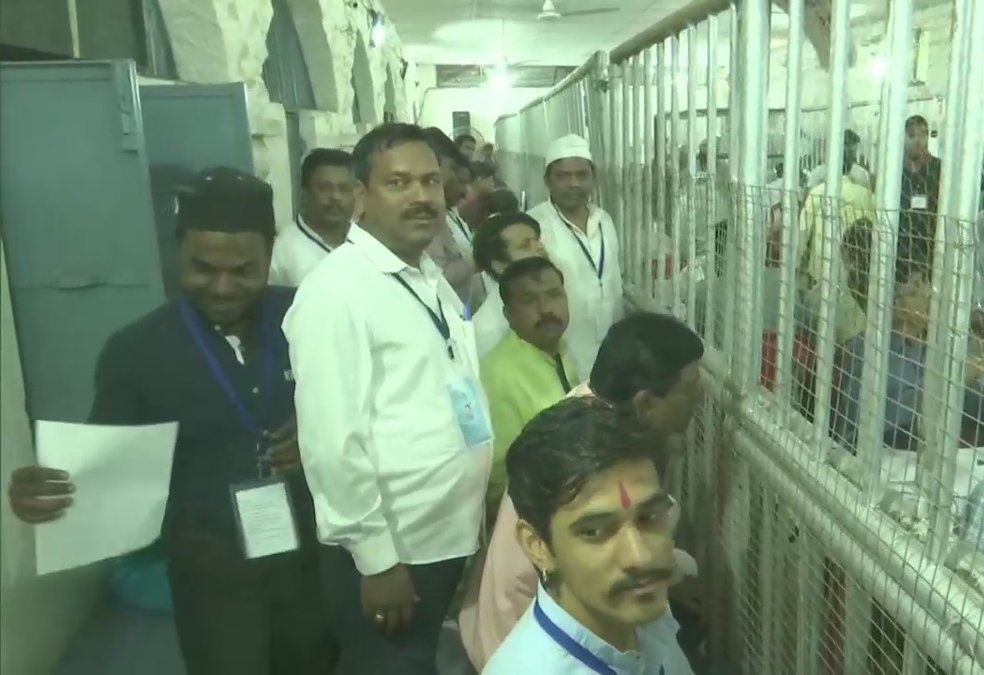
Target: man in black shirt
{"points": [[216, 361], [920, 171]]}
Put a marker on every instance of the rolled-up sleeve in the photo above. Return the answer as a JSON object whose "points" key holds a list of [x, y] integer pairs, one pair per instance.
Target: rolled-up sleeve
{"points": [[331, 359]]}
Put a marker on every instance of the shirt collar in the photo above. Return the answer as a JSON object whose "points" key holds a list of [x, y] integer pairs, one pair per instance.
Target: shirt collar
{"points": [[594, 223], [654, 638], [387, 261], [522, 345], [308, 230]]}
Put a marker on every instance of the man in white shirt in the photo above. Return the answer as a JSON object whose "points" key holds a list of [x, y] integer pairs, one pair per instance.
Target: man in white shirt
{"points": [[596, 521], [393, 428], [321, 225], [503, 239], [452, 247], [580, 239]]}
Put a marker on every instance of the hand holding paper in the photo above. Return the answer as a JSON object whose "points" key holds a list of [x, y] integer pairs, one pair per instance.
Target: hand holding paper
{"points": [[121, 477], [38, 494]]}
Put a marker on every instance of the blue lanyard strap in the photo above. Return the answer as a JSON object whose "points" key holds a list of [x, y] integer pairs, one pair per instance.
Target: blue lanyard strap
{"points": [[197, 330], [599, 268], [437, 318], [310, 235], [569, 644]]}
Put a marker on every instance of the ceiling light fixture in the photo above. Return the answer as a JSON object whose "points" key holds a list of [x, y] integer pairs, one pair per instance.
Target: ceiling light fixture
{"points": [[499, 80], [879, 67]]}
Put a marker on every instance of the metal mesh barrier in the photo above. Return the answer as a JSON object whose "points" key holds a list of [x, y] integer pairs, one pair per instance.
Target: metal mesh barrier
{"points": [[834, 482]]}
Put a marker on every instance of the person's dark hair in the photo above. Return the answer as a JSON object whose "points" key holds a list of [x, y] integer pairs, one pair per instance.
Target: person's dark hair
{"points": [[463, 138], [323, 157], [643, 352], [223, 199], [488, 245], [480, 170], [567, 445], [525, 267], [916, 120], [502, 200], [444, 147], [851, 143], [383, 137], [913, 252]]}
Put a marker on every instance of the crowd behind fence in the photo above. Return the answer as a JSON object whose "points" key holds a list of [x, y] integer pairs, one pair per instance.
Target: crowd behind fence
{"points": [[835, 476]]}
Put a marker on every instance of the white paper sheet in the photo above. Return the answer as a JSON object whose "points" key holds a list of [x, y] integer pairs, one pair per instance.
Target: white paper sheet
{"points": [[266, 521], [121, 475]]}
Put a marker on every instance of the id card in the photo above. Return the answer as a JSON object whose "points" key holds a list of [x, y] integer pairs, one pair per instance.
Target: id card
{"points": [[919, 202], [265, 517], [466, 401]]}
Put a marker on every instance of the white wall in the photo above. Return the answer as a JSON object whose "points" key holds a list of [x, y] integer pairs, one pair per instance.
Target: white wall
{"points": [[484, 105], [217, 41], [38, 615]]}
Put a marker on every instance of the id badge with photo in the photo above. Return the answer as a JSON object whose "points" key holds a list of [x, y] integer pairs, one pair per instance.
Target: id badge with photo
{"points": [[265, 517], [469, 410]]}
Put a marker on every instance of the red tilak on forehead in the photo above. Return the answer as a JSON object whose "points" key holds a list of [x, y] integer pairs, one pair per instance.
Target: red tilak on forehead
{"points": [[623, 496]]}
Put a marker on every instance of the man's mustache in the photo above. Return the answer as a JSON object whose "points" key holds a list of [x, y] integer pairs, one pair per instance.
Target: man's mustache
{"points": [[643, 580], [548, 320], [420, 212]]}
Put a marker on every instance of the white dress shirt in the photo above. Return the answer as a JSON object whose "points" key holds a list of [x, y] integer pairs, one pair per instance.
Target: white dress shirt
{"points": [[461, 232], [297, 249], [384, 456], [531, 649], [594, 303], [489, 321]]}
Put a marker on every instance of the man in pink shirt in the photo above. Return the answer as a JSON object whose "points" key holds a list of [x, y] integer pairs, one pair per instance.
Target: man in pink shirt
{"points": [[649, 362]]}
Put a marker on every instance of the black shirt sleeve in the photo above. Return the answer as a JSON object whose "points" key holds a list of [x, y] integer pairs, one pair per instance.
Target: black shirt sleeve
{"points": [[117, 395]]}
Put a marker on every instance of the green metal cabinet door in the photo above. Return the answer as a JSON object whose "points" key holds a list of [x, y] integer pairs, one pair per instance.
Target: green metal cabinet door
{"points": [[77, 222], [188, 128]]}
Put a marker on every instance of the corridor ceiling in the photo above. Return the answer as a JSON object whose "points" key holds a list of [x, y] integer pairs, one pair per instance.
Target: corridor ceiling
{"points": [[487, 32], [491, 32]]}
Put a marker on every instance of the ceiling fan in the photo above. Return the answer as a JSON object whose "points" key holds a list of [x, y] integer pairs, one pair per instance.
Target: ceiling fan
{"points": [[550, 12]]}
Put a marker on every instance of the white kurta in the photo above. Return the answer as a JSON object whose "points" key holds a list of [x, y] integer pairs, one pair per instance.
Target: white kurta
{"points": [[592, 278]]}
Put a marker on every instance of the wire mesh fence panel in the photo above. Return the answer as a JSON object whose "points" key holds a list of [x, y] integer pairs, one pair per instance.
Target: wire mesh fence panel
{"points": [[833, 479]]}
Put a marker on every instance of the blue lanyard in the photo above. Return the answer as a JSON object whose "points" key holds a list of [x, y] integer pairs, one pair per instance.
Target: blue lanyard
{"points": [[310, 235], [437, 318], [197, 330], [599, 268], [569, 644]]}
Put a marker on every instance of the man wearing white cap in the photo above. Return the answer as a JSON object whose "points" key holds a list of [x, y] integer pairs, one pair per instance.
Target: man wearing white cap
{"points": [[580, 239]]}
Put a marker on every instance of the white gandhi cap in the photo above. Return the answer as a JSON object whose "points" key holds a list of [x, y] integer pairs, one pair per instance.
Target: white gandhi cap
{"points": [[567, 147]]}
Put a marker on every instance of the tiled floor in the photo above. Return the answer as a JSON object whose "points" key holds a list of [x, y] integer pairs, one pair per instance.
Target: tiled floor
{"points": [[124, 641], [451, 656]]}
